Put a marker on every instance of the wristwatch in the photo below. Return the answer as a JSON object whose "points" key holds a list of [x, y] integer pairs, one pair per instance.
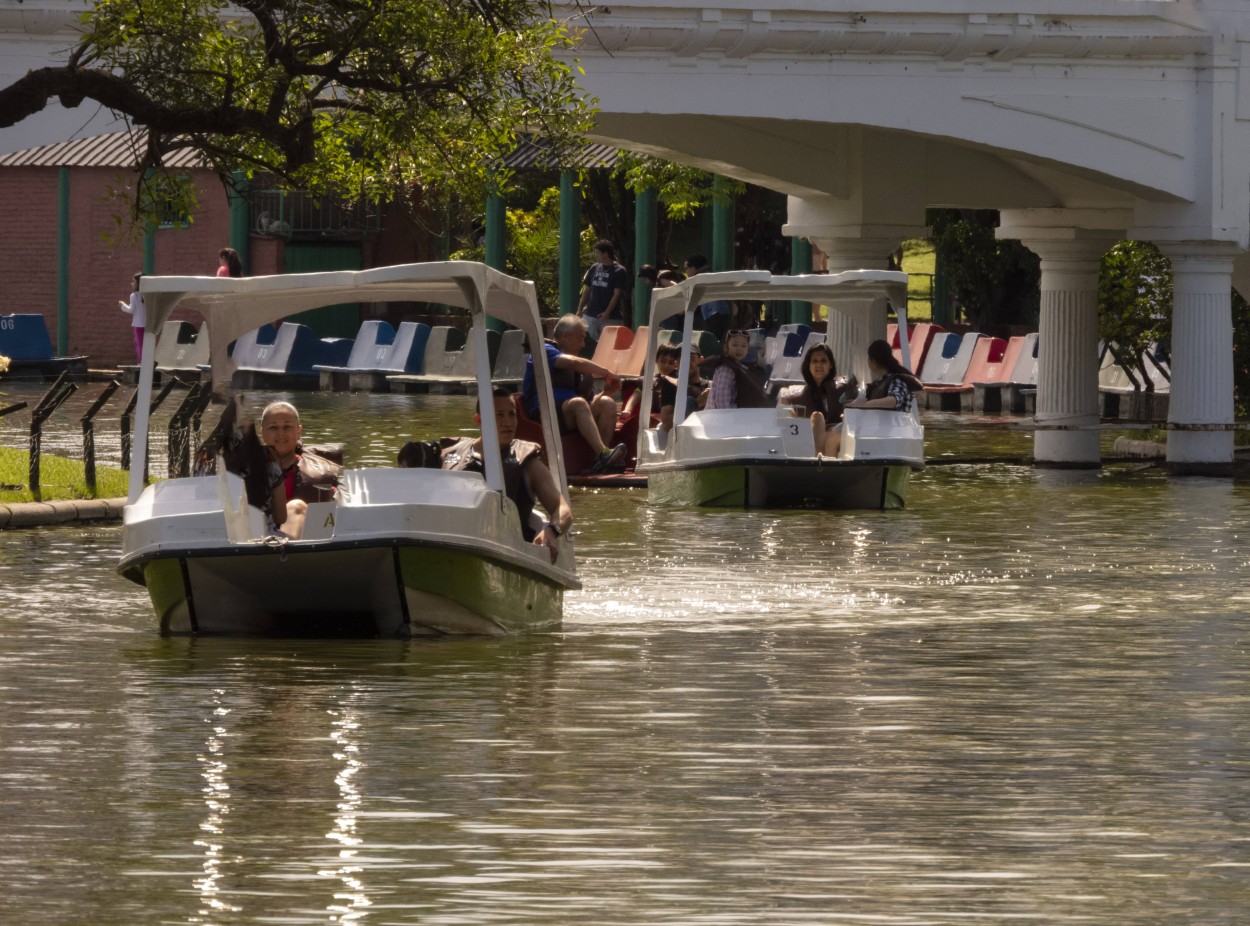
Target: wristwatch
{"points": [[555, 528]]}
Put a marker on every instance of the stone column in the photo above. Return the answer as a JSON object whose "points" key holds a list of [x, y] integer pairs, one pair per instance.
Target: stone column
{"points": [[856, 322], [1200, 408], [1067, 412]]}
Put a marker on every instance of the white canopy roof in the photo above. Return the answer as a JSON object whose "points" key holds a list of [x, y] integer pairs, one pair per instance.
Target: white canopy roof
{"points": [[233, 306]]}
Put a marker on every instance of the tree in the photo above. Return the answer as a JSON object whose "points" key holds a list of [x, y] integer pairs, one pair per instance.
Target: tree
{"points": [[996, 281], [1135, 304], [363, 97]]}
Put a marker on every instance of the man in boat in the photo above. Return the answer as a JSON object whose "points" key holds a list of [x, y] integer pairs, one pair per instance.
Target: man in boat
{"points": [[295, 476], [526, 477], [572, 380]]}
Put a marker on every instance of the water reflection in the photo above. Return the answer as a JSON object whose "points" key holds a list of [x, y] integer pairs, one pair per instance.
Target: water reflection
{"points": [[352, 902], [217, 801], [1022, 700]]}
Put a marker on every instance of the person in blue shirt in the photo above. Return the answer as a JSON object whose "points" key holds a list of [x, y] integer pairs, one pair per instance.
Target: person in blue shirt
{"points": [[718, 315], [591, 415]]}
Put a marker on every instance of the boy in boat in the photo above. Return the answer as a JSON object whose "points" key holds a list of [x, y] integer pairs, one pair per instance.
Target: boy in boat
{"points": [[526, 477], [572, 380]]}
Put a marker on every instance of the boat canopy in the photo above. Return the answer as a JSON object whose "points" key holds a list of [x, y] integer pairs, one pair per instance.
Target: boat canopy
{"points": [[233, 306], [834, 290]]}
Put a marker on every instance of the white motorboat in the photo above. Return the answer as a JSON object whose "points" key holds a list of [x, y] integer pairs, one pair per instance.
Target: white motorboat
{"points": [[763, 457], [399, 552]]}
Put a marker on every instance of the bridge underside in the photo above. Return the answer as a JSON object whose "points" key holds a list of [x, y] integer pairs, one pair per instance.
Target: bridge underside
{"points": [[1097, 123]]}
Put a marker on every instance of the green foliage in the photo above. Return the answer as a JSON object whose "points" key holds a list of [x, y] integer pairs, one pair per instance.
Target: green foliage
{"points": [[366, 99], [533, 247], [681, 190], [996, 281], [60, 479], [1241, 359], [1134, 303]]}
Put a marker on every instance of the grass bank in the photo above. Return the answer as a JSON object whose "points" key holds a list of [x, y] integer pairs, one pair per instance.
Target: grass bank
{"points": [[60, 479]]}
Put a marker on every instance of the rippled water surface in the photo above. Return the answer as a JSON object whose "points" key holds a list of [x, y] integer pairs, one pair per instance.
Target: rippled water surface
{"points": [[1022, 700]]}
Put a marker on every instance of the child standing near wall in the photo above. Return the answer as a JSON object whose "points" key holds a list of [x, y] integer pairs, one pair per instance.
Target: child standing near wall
{"points": [[138, 315]]}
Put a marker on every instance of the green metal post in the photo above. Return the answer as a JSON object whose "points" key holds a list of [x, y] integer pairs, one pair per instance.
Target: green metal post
{"points": [[570, 243], [240, 219], [722, 230], [496, 253], [644, 251], [62, 262], [496, 220], [800, 262]]}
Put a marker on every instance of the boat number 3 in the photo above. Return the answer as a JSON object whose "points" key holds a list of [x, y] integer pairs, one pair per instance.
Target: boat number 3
{"points": [[794, 429]]}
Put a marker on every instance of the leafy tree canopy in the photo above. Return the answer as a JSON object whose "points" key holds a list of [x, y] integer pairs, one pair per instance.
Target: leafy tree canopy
{"points": [[364, 97], [1134, 303], [996, 281]]}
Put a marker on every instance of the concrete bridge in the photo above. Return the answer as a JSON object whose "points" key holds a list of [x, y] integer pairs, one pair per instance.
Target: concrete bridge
{"points": [[1084, 122]]}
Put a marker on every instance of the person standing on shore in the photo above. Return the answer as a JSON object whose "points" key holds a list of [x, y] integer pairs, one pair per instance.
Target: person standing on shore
{"points": [[138, 315], [603, 289]]}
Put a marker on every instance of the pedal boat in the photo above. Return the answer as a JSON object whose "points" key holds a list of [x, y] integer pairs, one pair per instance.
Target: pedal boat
{"points": [[400, 552], [763, 457]]}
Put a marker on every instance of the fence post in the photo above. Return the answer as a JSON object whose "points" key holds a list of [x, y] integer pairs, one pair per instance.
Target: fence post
{"points": [[180, 429], [60, 390], [88, 435]]}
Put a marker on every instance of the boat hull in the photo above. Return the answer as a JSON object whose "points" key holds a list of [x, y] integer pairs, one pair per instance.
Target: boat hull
{"points": [[383, 590], [782, 484]]}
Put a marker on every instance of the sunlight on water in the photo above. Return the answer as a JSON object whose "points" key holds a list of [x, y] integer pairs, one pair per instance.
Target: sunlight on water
{"points": [[1021, 700]]}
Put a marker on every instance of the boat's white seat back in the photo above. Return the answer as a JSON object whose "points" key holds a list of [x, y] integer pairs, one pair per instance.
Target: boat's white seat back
{"points": [[241, 525], [876, 434]]}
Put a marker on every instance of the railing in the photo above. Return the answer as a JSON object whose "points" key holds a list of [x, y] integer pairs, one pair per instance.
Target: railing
{"points": [[288, 214]]}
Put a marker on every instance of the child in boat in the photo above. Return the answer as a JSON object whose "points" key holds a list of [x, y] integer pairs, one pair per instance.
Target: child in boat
{"points": [[664, 389], [526, 477], [894, 384], [734, 384]]}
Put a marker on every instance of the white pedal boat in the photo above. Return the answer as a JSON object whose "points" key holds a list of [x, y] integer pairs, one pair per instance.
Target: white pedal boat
{"points": [[400, 552], [762, 457]]}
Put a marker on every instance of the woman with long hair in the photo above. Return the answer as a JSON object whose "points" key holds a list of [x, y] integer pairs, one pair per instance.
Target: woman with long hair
{"points": [[228, 263], [822, 397], [894, 384]]}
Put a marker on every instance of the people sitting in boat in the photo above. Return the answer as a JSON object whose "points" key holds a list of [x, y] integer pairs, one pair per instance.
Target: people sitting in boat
{"points": [[664, 389], [295, 476], [893, 386], [526, 477], [734, 383], [823, 395], [581, 410]]}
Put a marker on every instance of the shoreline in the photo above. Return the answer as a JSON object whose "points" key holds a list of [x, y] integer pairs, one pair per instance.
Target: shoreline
{"points": [[75, 511]]}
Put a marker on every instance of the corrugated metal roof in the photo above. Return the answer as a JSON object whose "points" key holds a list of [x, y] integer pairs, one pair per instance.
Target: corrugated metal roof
{"points": [[532, 153], [117, 149]]}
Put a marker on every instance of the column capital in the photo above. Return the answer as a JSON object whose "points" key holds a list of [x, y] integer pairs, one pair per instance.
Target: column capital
{"points": [[1219, 255]]}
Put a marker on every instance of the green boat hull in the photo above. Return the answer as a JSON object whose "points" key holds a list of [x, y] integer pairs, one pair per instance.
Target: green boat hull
{"points": [[782, 485], [373, 591]]}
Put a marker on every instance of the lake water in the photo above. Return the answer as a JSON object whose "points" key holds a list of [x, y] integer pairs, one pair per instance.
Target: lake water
{"points": [[1023, 700]]}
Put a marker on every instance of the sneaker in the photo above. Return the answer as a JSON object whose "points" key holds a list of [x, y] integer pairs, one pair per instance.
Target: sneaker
{"points": [[609, 456]]}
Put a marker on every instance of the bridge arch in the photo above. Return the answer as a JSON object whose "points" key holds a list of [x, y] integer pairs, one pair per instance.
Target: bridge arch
{"points": [[1093, 121]]}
